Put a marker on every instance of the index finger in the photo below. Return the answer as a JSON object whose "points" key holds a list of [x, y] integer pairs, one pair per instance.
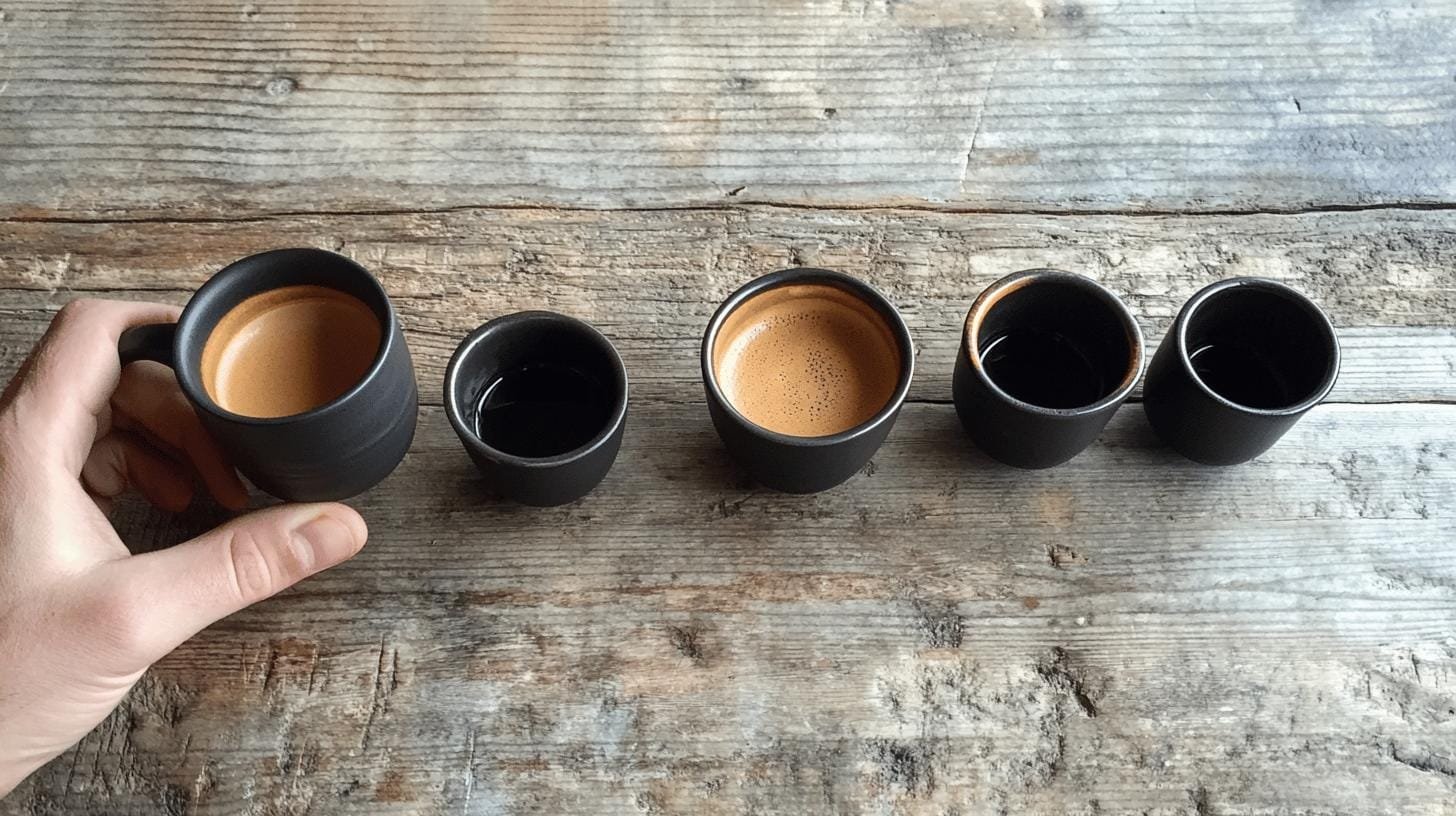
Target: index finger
{"points": [[67, 382], [147, 395]]}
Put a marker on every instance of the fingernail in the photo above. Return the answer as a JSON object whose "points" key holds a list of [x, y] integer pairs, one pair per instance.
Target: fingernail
{"points": [[328, 541]]}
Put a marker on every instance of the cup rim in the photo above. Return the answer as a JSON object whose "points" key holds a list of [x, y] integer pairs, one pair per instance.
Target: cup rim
{"points": [[991, 295], [1322, 323], [808, 274], [190, 380], [503, 323]]}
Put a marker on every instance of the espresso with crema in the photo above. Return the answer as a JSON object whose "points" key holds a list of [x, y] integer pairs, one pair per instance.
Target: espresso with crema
{"points": [[806, 360], [289, 350]]}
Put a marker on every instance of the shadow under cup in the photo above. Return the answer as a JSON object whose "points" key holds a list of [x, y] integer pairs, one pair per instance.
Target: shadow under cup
{"points": [[805, 371], [1046, 358]]}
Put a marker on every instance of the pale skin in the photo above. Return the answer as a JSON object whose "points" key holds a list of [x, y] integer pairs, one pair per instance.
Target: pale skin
{"points": [[81, 619]]}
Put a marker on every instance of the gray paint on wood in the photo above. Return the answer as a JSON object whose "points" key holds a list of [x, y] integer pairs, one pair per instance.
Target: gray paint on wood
{"points": [[1128, 633], [650, 279], [1028, 105], [940, 633]]}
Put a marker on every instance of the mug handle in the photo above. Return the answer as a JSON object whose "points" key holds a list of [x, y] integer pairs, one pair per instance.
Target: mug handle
{"points": [[153, 341]]}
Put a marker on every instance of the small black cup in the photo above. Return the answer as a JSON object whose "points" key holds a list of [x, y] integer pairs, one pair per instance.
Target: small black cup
{"points": [[332, 452], [806, 464], [539, 400], [1046, 358], [1244, 360]]}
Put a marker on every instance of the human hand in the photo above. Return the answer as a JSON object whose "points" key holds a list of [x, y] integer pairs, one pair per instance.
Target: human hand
{"points": [[80, 618]]}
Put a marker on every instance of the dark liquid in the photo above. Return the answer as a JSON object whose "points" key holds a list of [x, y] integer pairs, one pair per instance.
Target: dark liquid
{"points": [[541, 410], [1042, 368], [1241, 375]]}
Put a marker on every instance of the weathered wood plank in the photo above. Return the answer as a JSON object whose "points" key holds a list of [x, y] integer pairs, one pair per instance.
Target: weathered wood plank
{"points": [[1128, 633], [938, 634], [1038, 105], [651, 279]]}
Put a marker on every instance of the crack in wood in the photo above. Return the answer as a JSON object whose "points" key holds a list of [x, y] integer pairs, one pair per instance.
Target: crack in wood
{"points": [[469, 772], [312, 672], [71, 775], [1425, 762], [980, 117], [1325, 208], [1198, 797], [268, 667], [1058, 672], [382, 688]]}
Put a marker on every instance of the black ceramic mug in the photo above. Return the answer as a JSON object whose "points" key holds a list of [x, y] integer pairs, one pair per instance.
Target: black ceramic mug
{"points": [[1243, 361], [1046, 358], [539, 400], [805, 372], [330, 451]]}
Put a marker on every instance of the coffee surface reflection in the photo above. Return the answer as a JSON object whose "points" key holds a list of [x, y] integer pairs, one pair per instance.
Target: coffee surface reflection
{"points": [[544, 409]]}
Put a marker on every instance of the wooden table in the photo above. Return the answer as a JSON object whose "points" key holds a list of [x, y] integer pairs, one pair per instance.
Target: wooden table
{"points": [[1128, 633]]}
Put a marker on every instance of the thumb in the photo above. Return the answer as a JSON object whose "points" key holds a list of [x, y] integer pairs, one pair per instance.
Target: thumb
{"points": [[184, 589]]}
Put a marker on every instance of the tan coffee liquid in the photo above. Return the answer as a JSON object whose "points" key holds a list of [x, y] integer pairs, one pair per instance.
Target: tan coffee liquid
{"points": [[289, 350], [806, 360]]}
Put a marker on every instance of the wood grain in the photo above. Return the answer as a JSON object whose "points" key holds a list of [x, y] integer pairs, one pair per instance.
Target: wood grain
{"points": [[651, 279], [1027, 105], [940, 633], [1126, 634]]}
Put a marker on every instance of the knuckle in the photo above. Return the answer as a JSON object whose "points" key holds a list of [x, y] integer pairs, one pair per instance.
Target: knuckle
{"points": [[79, 309], [252, 572], [122, 621]]}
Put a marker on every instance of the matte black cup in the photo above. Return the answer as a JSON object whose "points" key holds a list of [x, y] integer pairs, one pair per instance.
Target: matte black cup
{"points": [[1046, 358], [1244, 360], [805, 464], [332, 452], [584, 401]]}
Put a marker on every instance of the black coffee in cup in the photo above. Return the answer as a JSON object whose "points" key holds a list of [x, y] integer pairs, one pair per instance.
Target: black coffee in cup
{"points": [[1045, 368], [539, 400], [1242, 362], [1046, 358], [542, 409]]}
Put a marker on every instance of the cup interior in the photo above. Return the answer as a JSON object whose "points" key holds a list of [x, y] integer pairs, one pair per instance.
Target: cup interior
{"points": [[340, 319], [1055, 340], [537, 385], [1261, 347], [286, 351], [807, 358]]}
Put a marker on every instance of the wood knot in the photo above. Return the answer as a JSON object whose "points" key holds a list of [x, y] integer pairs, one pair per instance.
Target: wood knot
{"points": [[940, 625], [685, 641], [908, 765], [281, 86], [1056, 670]]}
